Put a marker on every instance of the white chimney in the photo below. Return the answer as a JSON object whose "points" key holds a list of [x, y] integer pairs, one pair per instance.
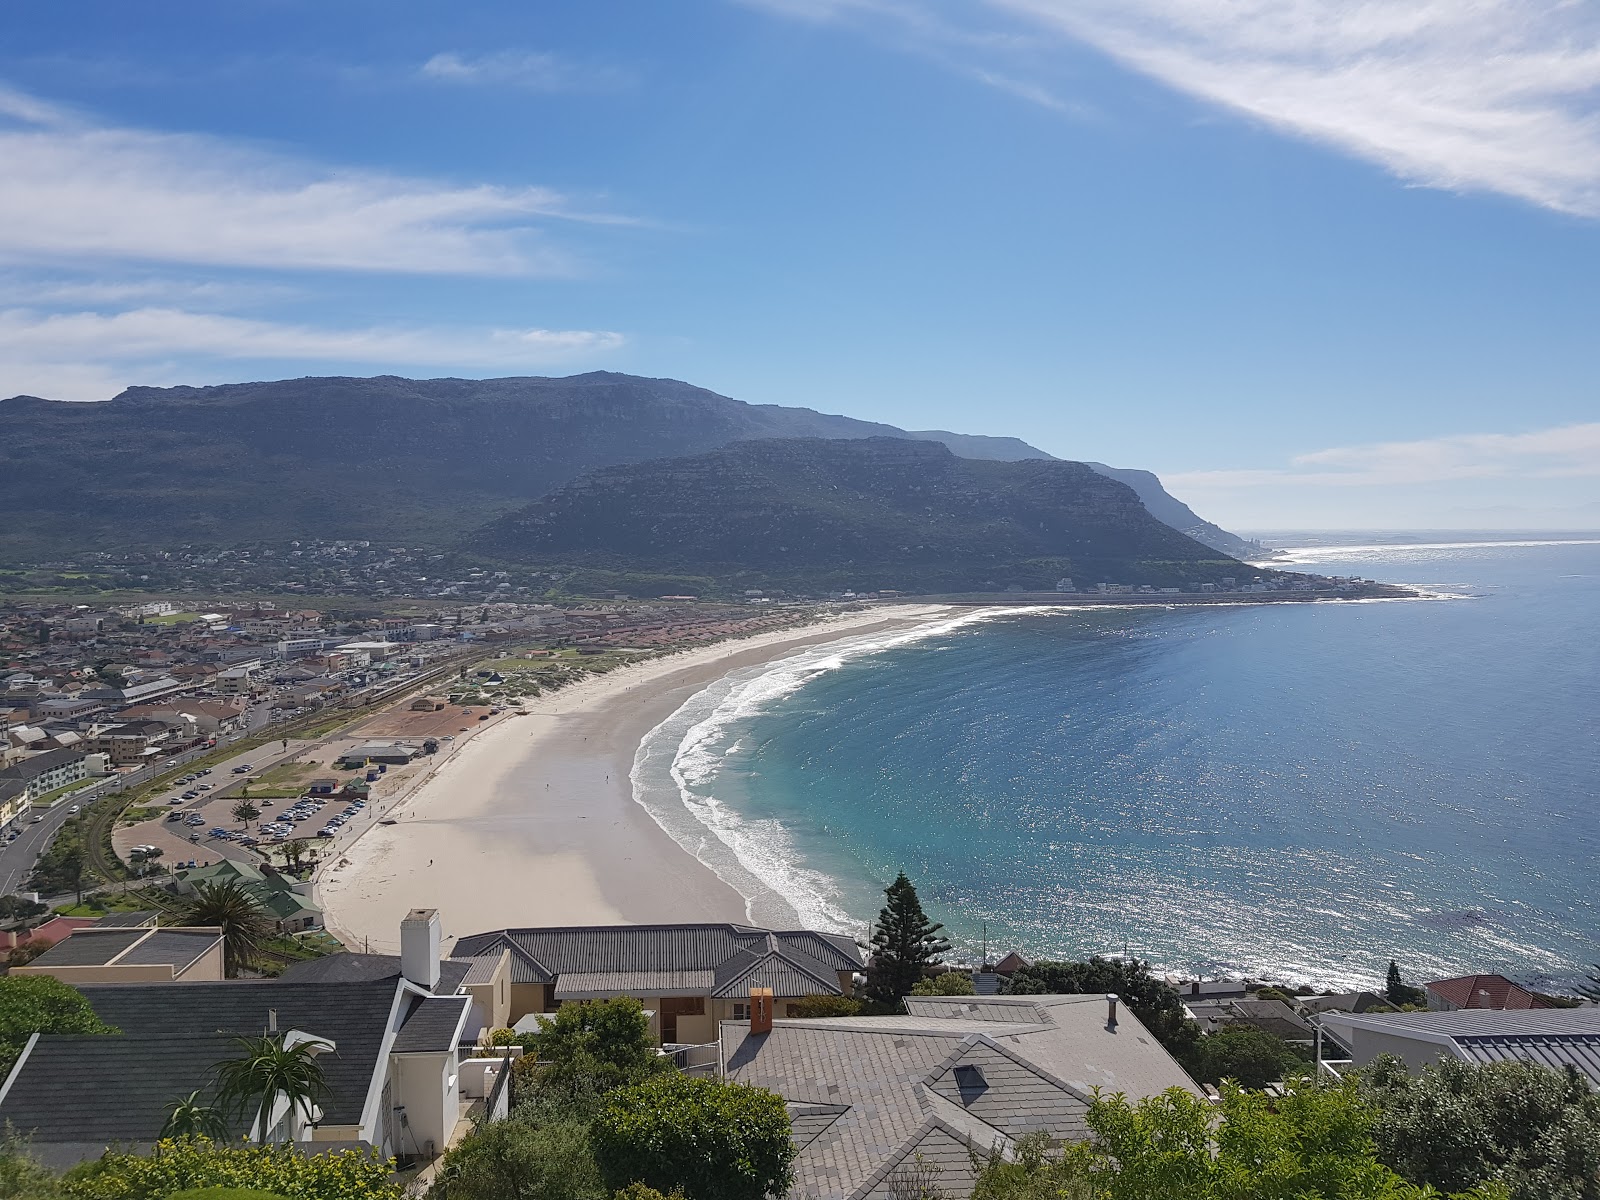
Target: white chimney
{"points": [[419, 947]]}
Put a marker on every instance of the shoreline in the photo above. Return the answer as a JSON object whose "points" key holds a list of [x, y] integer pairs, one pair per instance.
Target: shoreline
{"points": [[534, 822]]}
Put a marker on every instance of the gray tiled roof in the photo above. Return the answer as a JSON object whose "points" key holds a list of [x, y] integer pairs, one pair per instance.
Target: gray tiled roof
{"points": [[590, 985], [955, 1075], [88, 948], [430, 1027], [365, 968], [481, 969], [1482, 1022], [541, 955], [353, 1015], [109, 1089]]}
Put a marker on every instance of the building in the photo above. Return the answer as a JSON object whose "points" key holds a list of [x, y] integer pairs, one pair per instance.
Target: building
{"points": [[873, 1100], [1479, 991], [102, 954], [132, 743], [689, 977], [392, 1061], [389, 753], [1270, 1016], [428, 704], [1555, 1037], [286, 901], [43, 773]]}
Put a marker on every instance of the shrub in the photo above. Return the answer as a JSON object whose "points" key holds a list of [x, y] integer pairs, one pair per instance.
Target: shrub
{"points": [[1250, 1057], [178, 1166], [946, 983], [521, 1159], [824, 1006], [712, 1140], [638, 1191], [32, 1004], [584, 1050], [1457, 1125]]}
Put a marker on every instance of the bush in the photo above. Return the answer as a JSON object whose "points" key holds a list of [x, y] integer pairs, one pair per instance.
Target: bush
{"points": [[585, 1050], [223, 1193], [812, 1007], [1250, 1057], [32, 1004], [521, 1159], [946, 983], [638, 1191], [182, 1165], [709, 1139], [21, 1178], [1457, 1125]]}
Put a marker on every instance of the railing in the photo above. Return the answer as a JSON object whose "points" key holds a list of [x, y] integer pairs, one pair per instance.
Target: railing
{"points": [[704, 1058]]}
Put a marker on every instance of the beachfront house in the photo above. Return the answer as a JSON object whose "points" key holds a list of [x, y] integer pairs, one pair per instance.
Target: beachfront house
{"points": [[689, 977], [877, 1103], [393, 1043], [1480, 991], [285, 901]]}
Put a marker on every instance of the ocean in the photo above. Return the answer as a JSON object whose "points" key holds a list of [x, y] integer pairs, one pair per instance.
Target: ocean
{"points": [[1290, 791]]}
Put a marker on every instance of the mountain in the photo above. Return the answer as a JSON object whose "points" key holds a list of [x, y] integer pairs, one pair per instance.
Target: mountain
{"points": [[815, 515], [383, 458], [1170, 510]]}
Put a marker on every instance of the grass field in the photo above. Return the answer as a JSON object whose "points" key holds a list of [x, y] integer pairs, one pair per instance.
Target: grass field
{"points": [[173, 618]]}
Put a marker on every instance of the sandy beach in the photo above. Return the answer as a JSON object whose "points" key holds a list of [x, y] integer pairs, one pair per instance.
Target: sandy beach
{"points": [[533, 821]]}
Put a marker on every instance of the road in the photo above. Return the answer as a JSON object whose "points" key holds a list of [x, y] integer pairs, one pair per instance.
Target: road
{"points": [[18, 857]]}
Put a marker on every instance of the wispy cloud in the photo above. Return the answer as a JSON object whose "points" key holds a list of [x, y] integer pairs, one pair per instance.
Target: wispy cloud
{"points": [[83, 350], [1562, 452], [1493, 95], [534, 70], [75, 190]]}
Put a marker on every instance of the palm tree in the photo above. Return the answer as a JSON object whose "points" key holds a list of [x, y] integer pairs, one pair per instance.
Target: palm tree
{"points": [[192, 1118], [266, 1069], [227, 905], [293, 853]]}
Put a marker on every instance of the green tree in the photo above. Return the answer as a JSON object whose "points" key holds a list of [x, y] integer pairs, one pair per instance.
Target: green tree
{"points": [[245, 812], [32, 1004], [178, 1165], [1397, 992], [294, 853], [1157, 1005], [268, 1068], [1591, 989], [1304, 1145], [1534, 1129], [1250, 1057], [192, 1117], [519, 1159], [904, 945], [946, 983], [710, 1139], [228, 905], [587, 1049]]}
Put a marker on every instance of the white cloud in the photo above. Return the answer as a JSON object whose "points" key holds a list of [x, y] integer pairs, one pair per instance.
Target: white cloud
{"points": [[77, 355], [1494, 95], [1563, 452], [535, 70], [72, 190]]}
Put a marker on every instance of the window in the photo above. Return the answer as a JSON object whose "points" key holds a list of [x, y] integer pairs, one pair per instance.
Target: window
{"points": [[741, 1011]]}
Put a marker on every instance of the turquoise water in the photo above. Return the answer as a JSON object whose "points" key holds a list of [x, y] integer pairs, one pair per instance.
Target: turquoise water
{"points": [[1300, 791]]}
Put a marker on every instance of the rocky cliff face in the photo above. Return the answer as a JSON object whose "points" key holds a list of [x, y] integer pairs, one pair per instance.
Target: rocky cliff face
{"points": [[817, 515]]}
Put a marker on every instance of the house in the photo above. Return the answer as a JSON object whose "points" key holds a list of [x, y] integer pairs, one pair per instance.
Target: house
{"points": [[42, 773], [690, 977], [428, 704], [1356, 1002], [141, 955], [322, 787], [287, 902], [872, 1100], [1271, 1016], [1209, 989], [1556, 1037], [1480, 991], [135, 742], [392, 1061]]}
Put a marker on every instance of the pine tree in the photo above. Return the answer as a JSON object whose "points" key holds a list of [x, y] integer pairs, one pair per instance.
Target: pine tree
{"points": [[904, 944], [1591, 990], [1394, 988]]}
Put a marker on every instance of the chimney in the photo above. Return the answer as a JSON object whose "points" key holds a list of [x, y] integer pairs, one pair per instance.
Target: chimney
{"points": [[419, 947], [1111, 1011], [760, 1010], [1194, 987]]}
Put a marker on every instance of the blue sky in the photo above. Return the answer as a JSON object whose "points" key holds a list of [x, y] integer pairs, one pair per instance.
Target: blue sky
{"points": [[1319, 264]]}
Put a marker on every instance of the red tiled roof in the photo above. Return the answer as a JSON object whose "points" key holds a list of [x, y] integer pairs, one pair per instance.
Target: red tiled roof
{"points": [[1484, 991]]}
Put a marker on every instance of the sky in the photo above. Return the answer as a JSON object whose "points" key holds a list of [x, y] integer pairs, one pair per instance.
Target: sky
{"points": [[1317, 263]]}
